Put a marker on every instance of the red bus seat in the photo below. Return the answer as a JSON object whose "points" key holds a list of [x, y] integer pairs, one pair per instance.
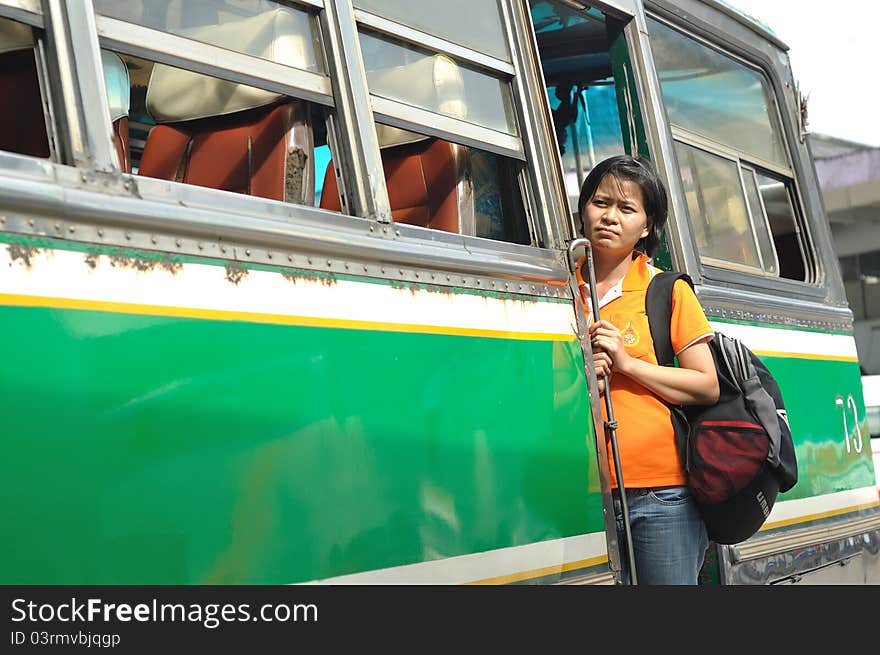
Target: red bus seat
{"points": [[429, 184], [224, 135]]}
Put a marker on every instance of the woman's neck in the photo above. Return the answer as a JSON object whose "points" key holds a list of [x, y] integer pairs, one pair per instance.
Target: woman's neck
{"points": [[610, 268]]}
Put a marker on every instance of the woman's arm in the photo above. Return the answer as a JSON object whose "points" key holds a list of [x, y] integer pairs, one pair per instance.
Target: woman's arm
{"points": [[694, 382]]}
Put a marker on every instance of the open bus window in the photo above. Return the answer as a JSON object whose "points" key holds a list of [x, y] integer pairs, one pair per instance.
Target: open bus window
{"points": [[447, 186], [445, 178], [732, 158], [22, 122], [579, 69], [197, 129]]}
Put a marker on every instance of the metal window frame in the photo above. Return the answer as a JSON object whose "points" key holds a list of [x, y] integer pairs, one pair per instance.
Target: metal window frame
{"points": [[434, 43], [180, 51]]}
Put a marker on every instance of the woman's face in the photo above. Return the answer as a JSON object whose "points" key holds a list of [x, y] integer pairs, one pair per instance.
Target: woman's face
{"points": [[614, 218]]}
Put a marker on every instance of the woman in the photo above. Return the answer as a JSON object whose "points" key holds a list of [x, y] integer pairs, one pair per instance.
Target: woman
{"points": [[623, 206]]}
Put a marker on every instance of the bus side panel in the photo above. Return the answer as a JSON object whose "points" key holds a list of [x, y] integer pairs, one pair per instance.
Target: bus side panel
{"points": [[818, 375], [190, 423]]}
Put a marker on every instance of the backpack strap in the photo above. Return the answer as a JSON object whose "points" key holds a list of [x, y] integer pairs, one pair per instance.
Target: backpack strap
{"points": [[658, 307]]}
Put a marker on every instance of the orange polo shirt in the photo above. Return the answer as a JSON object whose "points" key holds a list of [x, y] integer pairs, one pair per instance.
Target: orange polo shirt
{"points": [[648, 456]]}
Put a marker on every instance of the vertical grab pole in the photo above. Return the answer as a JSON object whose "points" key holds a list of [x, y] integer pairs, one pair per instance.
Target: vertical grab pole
{"points": [[610, 423]]}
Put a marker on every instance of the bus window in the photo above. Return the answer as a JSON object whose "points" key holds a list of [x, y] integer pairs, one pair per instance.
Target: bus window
{"points": [[261, 28], [196, 128], [482, 30], [22, 122], [576, 56], [445, 120], [441, 185], [731, 152]]}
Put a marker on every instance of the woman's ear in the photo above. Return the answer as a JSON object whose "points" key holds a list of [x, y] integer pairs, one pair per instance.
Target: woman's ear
{"points": [[649, 224]]}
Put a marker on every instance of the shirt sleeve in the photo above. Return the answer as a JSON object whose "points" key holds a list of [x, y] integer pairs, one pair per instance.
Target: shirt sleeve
{"points": [[688, 324]]}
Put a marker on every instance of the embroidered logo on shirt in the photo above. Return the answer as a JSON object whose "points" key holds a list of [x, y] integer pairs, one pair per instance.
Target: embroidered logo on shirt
{"points": [[630, 335]]}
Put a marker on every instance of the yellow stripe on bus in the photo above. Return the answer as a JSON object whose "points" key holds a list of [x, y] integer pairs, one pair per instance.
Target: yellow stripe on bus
{"points": [[833, 358], [276, 319], [542, 572]]}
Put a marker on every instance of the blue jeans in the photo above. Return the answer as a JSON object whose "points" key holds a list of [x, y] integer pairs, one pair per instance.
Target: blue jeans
{"points": [[669, 537]]}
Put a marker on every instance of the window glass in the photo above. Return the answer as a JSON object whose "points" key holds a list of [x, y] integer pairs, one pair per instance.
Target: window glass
{"points": [[475, 24], [576, 56], [446, 186], [436, 83], [197, 129], [261, 28], [716, 96], [717, 207]]}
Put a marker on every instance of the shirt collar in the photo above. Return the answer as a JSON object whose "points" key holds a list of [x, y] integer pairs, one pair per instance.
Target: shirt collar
{"points": [[637, 278]]}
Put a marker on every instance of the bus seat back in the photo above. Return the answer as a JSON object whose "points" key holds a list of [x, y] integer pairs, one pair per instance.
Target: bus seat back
{"points": [[265, 152], [428, 179], [224, 135], [429, 185]]}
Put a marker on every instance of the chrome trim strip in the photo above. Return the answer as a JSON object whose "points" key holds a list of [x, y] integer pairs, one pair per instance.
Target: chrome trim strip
{"points": [[205, 58], [425, 40], [216, 217], [416, 119], [604, 578], [779, 543]]}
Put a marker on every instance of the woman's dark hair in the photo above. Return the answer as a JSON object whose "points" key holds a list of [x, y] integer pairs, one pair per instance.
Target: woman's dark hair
{"points": [[638, 171]]}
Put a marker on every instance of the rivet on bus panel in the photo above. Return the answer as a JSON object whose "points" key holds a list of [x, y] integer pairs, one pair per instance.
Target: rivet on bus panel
{"points": [[31, 222], [247, 252], [128, 236], [100, 232], [71, 229]]}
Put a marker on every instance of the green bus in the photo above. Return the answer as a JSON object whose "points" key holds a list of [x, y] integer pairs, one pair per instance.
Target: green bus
{"points": [[285, 286]]}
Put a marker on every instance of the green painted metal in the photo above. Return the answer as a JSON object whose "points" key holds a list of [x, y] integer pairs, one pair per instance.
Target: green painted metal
{"points": [[160, 450], [810, 389]]}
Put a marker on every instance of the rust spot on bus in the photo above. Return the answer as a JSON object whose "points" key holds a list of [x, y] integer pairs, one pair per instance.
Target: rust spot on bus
{"points": [[23, 253], [137, 263], [91, 260], [171, 266], [235, 274], [327, 281]]}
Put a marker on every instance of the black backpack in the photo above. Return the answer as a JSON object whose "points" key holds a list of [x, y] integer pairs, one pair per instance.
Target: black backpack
{"points": [[738, 453]]}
